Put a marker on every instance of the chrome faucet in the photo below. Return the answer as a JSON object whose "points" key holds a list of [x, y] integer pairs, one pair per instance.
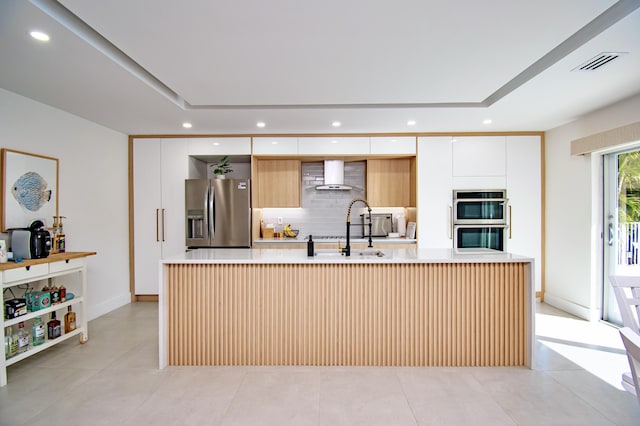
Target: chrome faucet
{"points": [[347, 249]]}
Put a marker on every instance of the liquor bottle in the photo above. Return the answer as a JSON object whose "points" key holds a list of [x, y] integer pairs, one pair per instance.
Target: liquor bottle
{"points": [[7, 342], [69, 320], [62, 244], [13, 342], [37, 332], [23, 338], [53, 327]]}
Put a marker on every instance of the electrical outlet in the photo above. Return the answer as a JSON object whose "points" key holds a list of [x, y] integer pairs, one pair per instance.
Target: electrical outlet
{"points": [[280, 220]]}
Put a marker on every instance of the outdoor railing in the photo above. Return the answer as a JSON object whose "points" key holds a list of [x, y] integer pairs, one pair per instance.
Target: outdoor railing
{"points": [[628, 236]]}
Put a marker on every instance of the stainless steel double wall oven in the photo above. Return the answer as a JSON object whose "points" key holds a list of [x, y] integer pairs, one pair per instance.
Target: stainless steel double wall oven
{"points": [[480, 219]]}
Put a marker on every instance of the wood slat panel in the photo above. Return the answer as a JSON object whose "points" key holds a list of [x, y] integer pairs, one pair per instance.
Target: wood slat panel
{"points": [[380, 314]]}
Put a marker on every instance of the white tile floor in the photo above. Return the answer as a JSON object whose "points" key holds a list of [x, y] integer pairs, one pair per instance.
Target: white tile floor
{"points": [[114, 380]]}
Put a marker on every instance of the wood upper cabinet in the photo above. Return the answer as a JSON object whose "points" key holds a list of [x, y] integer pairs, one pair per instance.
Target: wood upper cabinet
{"points": [[277, 183], [390, 182]]}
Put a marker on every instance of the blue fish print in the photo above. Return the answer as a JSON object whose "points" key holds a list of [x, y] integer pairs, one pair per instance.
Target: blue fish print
{"points": [[30, 190]]}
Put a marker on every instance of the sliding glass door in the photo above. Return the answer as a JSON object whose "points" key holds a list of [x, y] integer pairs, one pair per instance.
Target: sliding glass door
{"points": [[622, 224]]}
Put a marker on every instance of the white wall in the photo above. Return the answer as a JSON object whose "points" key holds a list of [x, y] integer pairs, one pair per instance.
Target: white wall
{"points": [[93, 188], [573, 224]]}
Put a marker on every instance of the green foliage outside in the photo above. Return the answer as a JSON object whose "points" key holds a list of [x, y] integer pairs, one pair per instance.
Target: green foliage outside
{"points": [[629, 187]]}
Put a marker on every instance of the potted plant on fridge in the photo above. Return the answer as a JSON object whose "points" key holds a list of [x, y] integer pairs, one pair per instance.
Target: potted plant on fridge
{"points": [[222, 167]]}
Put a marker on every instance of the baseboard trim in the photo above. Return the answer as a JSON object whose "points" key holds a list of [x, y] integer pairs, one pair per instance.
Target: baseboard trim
{"points": [[97, 310], [568, 306], [146, 298]]}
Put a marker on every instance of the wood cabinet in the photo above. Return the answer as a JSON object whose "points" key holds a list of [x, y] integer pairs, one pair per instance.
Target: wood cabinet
{"points": [[277, 183], [160, 167], [389, 182]]}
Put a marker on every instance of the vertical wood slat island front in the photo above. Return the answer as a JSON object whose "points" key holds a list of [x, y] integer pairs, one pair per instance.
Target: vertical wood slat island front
{"points": [[380, 314]]}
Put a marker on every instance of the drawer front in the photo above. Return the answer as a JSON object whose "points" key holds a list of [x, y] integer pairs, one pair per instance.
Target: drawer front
{"points": [[65, 265], [33, 271]]}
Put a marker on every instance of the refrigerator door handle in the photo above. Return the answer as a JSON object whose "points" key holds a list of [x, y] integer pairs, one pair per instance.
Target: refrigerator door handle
{"points": [[206, 213], [212, 209]]}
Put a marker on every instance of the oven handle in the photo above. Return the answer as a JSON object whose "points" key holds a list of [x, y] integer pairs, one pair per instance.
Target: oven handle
{"points": [[509, 222], [463, 200], [480, 225]]}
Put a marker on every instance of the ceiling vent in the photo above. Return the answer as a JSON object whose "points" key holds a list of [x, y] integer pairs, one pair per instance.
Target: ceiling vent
{"points": [[599, 61]]}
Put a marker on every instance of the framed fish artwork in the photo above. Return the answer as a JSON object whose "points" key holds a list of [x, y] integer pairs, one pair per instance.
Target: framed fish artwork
{"points": [[29, 189]]}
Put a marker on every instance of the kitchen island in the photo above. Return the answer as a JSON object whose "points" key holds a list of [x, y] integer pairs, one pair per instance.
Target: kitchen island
{"points": [[410, 307]]}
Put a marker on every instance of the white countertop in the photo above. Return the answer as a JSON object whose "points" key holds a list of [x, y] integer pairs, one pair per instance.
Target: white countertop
{"points": [[342, 241], [330, 256]]}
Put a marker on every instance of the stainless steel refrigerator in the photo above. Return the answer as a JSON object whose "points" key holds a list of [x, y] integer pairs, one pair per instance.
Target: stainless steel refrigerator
{"points": [[218, 213]]}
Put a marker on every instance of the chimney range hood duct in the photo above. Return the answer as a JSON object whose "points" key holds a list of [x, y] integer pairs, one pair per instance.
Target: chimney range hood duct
{"points": [[333, 176]]}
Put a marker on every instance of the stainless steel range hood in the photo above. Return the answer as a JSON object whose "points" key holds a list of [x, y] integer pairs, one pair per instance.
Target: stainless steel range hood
{"points": [[333, 177]]}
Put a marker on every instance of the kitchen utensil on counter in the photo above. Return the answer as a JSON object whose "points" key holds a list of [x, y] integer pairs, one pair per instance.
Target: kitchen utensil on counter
{"points": [[381, 224], [31, 243]]}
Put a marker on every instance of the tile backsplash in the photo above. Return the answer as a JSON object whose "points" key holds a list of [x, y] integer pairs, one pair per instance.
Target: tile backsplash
{"points": [[324, 213]]}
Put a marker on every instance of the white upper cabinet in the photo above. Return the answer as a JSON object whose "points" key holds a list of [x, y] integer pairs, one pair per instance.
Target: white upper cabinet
{"points": [[333, 146], [160, 167], [478, 156], [435, 189], [524, 190], [218, 146], [400, 145], [275, 146]]}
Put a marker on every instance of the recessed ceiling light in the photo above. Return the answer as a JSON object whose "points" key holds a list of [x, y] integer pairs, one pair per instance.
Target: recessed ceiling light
{"points": [[411, 123], [336, 124], [261, 124], [216, 143], [39, 35], [187, 125], [487, 121], [334, 141], [274, 143]]}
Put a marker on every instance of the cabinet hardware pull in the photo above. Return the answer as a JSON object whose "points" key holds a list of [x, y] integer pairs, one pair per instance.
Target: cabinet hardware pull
{"points": [[157, 229], [510, 222], [162, 224], [450, 222]]}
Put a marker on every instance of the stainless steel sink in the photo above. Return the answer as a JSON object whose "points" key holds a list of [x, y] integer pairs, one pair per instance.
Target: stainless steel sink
{"points": [[367, 253], [354, 253]]}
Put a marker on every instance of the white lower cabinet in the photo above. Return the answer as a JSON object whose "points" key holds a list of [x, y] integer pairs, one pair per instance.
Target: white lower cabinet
{"points": [[160, 167], [29, 276]]}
